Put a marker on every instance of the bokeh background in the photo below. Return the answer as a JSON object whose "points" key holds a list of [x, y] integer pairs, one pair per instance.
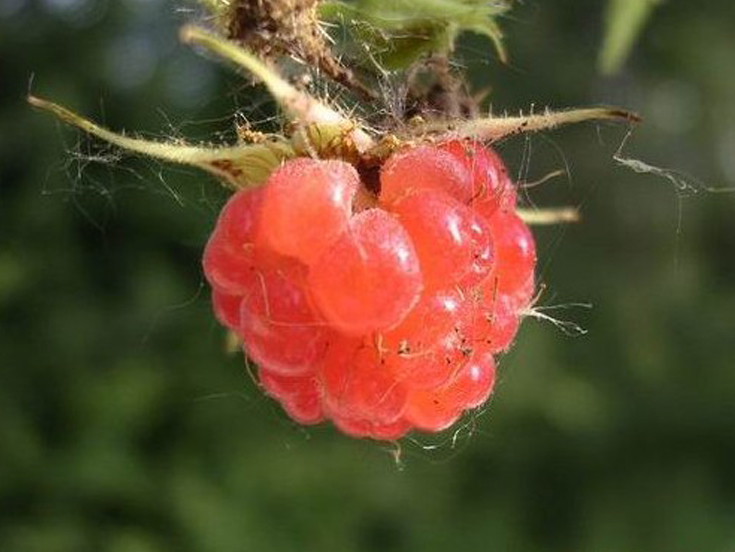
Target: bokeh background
{"points": [[125, 426]]}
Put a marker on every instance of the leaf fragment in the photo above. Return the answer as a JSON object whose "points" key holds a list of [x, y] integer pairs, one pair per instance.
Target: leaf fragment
{"points": [[624, 22]]}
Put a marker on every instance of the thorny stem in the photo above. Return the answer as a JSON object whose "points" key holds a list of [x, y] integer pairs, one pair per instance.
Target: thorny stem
{"points": [[300, 107], [493, 129]]}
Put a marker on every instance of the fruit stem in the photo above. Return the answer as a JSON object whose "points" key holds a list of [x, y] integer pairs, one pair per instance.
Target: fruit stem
{"points": [[299, 106]]}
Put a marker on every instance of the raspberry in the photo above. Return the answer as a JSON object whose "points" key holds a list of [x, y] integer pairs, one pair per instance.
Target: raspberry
{"points": [[227, 309], [494, 321], [375, 290], [516, 254], [490, 183], [425, 347], [300, 396], [421, 168], [229, 258], [384, 318], [369, 278], [451, 241], [307, 205], [357, 387], [437, 409], [279, 328], [364, 428]]}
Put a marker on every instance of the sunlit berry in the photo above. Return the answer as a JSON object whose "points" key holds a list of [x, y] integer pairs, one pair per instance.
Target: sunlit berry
{"points": [[307, 205], [451, 241], [279, 328], [369, 279], [491, 185], [382, 314], [421, 168]]}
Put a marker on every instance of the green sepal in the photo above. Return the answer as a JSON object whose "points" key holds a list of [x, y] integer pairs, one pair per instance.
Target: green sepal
{"points": [[238, 166]]}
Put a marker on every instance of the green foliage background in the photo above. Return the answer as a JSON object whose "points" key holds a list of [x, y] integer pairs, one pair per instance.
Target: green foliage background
{"points": [[125, 427]]}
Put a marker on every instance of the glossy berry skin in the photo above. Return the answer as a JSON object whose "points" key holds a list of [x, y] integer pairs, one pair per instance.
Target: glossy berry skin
{"points": [[229, 257], [357, 387], [278, 326], [369, 279], [421, 168], [308, 204], [491, 187], [437, 409], [451, 241], [381, 314], [430, 342], [516, 251]]}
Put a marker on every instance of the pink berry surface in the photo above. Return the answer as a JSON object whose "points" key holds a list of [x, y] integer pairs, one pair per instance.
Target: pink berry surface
{"points": [[382, 311]]}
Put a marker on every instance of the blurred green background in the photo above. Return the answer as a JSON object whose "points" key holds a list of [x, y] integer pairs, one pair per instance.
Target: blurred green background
{"points": [[126, 427]]}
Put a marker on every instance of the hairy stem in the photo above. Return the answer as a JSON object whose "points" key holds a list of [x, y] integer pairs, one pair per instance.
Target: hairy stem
{"points": [[299, 106], [496, 128], [238, 165]]}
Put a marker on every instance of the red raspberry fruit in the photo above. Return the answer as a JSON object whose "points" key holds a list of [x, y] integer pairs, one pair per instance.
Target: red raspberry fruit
{"points": [[229, 258], [421, 168], [451, 241], [437, 409], [430, 343], [381, 320], [368, 279], [491, 187], [308, 203]]}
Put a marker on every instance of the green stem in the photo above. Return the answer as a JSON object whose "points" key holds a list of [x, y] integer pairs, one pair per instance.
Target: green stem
{"points": [[300, 107], [496, 128], [238, 165]]}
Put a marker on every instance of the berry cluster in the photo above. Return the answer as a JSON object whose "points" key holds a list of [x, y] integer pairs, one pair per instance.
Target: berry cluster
{"points": [[381, 313]]}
